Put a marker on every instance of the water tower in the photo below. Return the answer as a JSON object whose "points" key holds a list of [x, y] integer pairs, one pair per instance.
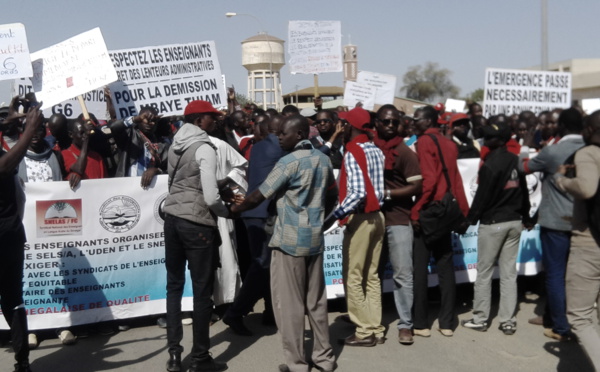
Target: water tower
{"points": [[263, 57]]}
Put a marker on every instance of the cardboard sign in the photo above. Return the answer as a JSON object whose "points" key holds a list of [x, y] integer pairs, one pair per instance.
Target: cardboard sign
{"points": [[315, 46], [385, 86], [590, 105], [455, 105], [95, 101], [513, 91], [15, 60], [167, 78], [357, 92], [73, 67]]}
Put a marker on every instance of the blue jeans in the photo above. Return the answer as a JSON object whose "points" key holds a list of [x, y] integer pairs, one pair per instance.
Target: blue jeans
{"points": [[187, 242], [555, 254], [400, 245]]}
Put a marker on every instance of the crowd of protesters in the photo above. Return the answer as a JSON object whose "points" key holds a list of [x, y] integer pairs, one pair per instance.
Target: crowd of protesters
{"points": [[254, 190]]}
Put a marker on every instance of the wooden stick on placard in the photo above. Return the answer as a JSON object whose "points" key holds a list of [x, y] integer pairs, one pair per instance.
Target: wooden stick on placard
{"points": [[86, 114], [316, 85]]}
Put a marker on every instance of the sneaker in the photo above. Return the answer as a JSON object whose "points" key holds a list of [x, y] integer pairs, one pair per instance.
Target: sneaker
{"points": [[508, 328], [446, 332], [67, 337], [284, 368], [161, 322], [423, 332], [124, 327], [32, 340], [209, 365], [187, 321], [470, 323], [548, 332]]}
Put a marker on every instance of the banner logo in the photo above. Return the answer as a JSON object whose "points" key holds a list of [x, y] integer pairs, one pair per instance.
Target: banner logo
{"points": [[58, 217], [159, 208], [119, 214]]}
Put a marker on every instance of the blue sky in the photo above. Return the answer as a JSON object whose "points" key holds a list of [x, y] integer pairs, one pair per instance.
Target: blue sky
{"points": [[462, 36]]}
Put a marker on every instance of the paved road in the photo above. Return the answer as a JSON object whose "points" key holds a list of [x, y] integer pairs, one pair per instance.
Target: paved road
{"points": [[142, 348]]}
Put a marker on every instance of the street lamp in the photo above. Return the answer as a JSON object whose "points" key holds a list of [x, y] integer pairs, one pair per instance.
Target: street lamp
{"points": [[264, 32]]}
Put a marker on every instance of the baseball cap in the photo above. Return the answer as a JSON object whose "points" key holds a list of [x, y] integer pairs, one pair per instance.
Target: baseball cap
{"points": [[457, 117], [439, 107], [308, 112], [358, 117], [200, 107]]}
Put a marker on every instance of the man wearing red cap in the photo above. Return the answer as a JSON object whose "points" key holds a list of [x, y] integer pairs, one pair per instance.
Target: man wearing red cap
{"points": [[361, 197], [191, 233]]}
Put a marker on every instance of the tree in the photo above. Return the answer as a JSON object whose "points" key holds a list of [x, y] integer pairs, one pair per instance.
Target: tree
{"points": [[475, 96], [428, 82]]}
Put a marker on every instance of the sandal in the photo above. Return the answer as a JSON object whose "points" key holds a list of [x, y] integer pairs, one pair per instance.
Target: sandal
{"points": [[508, 328]]}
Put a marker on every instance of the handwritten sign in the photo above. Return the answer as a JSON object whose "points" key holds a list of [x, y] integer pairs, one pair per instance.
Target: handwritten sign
{"points": [[513, 91], [73, 67], [385, 85], [315, 46], [167, 77], [357, 92], [14, 52]]}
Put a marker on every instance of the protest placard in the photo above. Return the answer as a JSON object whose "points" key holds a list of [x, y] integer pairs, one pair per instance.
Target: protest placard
{"points": [[315, 46], [455, 105], [15, 60], [385, 86], [357, 92], [513, 91], [167, 78], [95, 101], [590, 105], [70, 68]]}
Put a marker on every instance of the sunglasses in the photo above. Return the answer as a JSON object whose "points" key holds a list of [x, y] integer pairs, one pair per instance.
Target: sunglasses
{"points": [[390, 121], [323, 121]]}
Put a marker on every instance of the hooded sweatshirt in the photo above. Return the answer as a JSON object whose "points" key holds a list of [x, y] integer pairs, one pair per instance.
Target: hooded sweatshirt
{"points": [[193, 192]]}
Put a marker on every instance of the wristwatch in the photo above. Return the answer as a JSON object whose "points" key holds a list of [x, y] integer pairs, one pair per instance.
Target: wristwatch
{"points": [[388, 195]]}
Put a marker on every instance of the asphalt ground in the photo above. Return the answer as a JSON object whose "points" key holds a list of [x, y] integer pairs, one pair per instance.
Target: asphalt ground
{"points": [[143, 347]]}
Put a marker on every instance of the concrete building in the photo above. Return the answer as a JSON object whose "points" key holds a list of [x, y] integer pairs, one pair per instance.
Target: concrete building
{"points": [[585, 76], [263, 56]]}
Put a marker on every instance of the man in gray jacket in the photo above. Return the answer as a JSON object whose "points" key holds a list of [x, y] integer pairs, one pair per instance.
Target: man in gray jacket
{"points": [[555, 216], [191, 234]]}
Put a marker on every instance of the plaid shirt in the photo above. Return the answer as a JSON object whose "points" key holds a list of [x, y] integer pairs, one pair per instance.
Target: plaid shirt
{"points": [[300, 182], [356, 184]]}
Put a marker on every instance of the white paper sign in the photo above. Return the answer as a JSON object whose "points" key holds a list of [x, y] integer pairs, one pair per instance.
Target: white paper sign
{"points": [[385, 86], [357, 92], [315, 46], [455, 105], [15, 60], [95, 102], [590, 105], [513, 91], [73, 67], [167, 77]]}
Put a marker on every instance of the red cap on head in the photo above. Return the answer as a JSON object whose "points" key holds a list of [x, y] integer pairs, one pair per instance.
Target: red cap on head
{"points": [[358, 117], [439, 107], [200, 107], [456, 117]]}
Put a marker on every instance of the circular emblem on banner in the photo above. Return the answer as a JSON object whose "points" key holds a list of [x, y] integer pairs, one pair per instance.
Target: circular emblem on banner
{"points": [[159, 208], [119, 214]]}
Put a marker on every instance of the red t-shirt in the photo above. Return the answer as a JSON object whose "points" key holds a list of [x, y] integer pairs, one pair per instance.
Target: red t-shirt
{"points": [[95, 164]]}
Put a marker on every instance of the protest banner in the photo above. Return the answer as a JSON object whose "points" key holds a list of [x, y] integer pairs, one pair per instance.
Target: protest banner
{"points": [[167, 78], [97, 253], [94, 254], [15, 60], [73, 67], [385, 86], [94, 100], [356, 92], [513, 91], [315, 46]]}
